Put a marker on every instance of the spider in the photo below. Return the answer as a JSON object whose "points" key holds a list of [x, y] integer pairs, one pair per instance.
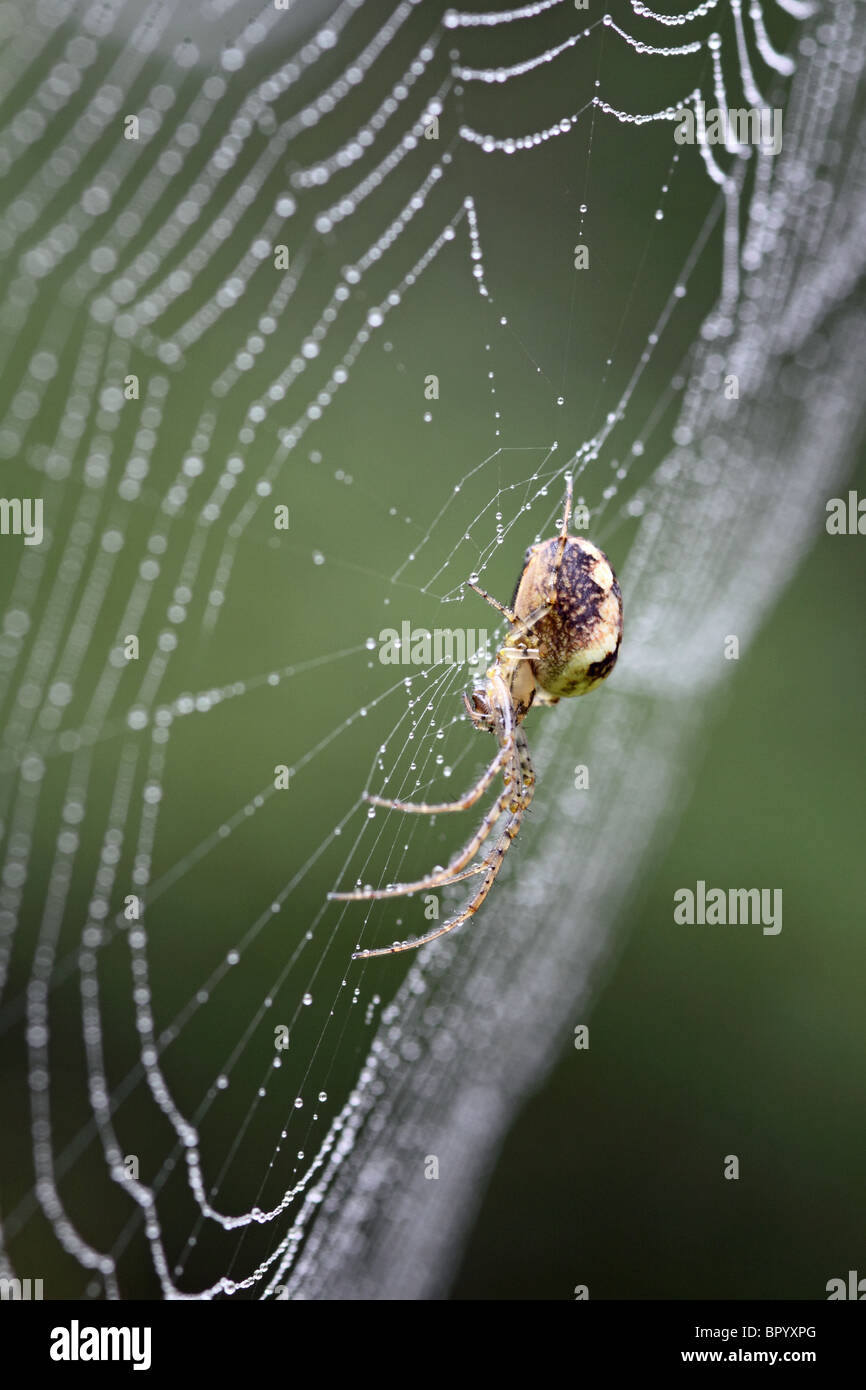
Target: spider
{"points": [[568, 600]]}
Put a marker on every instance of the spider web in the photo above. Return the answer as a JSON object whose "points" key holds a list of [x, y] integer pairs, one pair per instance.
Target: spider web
{"points": [[165, 923]]}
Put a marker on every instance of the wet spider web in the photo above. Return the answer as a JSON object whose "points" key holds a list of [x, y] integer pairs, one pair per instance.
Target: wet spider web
{"points": [[334, 270]]}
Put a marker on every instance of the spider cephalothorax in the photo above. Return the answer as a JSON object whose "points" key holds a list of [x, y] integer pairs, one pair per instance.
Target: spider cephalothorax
{"points": [[566, 629]]}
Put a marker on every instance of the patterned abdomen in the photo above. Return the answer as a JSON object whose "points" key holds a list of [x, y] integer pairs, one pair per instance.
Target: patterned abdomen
{"points": [[579, 639]]}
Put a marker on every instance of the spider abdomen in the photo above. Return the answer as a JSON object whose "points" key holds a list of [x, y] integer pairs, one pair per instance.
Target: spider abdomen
{"points": [[579, 638]]}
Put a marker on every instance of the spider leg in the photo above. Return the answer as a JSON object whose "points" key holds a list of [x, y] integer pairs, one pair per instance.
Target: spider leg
{"points": [[563, 536], [451, 874], [433, 808], [525, 625], [494, 603], [398, 890], [493, 864], [520, 627], [569, 494], [526, 769]]}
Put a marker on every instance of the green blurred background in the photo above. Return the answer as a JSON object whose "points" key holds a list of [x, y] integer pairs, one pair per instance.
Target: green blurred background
{"points": [[611, 1174]]}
